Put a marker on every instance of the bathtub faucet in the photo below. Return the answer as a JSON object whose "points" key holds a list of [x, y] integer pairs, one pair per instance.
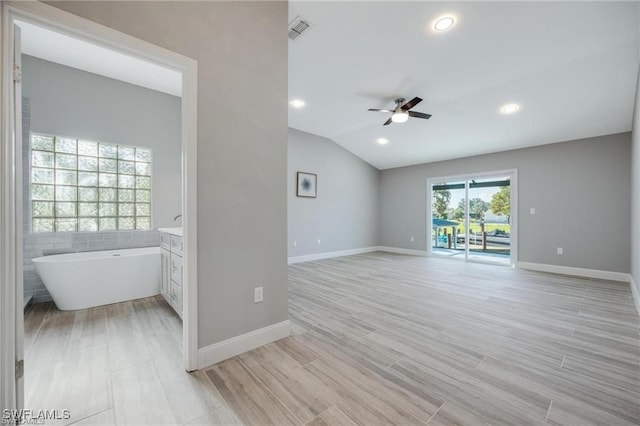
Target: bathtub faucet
{"points": [[177, 217]]}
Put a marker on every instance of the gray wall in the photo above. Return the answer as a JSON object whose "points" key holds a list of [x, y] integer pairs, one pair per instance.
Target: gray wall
{"points": [[69, 102], [635, 192], [345, 213], [580, 190], [242, 147]]}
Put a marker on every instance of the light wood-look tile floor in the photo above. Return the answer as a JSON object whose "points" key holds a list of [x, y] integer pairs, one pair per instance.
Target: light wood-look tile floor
{"points": [[378, 339], [115, 364]]}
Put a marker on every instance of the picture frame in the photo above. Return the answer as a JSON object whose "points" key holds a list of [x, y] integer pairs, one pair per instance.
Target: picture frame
{"points": [[307, 185]]}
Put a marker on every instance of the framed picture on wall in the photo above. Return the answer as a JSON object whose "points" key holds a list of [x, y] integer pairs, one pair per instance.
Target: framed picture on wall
{"points": [[307, 185]]}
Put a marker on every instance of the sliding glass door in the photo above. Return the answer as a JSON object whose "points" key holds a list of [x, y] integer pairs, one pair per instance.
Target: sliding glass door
{"points": [[471, 217], [448, 219]]}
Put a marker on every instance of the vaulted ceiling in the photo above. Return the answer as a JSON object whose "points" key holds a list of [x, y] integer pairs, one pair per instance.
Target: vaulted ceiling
{"points": [[570, 66]]}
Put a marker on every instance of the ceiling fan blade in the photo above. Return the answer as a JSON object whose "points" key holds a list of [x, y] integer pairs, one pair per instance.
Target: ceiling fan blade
{"points": [[381, 110], [419, 115], [413, 102], [386, 123]]}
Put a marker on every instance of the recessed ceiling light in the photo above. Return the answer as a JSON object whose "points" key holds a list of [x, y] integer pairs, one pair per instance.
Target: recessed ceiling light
{"points": [[382, 141], [510, 109], [297, 103], [444, 23]]}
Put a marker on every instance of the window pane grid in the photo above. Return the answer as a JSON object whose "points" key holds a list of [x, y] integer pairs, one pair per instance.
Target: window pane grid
{"points": [[79, 185]]}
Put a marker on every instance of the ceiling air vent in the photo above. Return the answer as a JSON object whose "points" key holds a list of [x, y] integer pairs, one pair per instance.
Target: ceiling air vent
{"points": [[297, 27]]}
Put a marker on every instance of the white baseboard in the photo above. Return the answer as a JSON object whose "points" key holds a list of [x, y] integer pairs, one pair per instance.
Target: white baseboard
{"points": [[635, 292], [402, 251], [220, 351], [329, 254], [577, 272]]}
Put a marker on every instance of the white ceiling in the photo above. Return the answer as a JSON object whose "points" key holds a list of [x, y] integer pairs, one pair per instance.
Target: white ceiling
{"points": [[72, 52], [571, 67]]}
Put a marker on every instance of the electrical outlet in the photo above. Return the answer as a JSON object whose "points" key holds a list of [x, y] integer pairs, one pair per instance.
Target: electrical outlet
{"points": [[532, 210], [318, 241], [257, 294], [412, 239], [295, 244], [560, 250]]}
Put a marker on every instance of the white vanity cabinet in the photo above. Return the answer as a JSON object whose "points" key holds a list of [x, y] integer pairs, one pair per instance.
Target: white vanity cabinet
{"points": [[171, 252]]}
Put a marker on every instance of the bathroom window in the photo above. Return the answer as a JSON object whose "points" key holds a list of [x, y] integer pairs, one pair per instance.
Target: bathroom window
{"points": [[79, 185]]}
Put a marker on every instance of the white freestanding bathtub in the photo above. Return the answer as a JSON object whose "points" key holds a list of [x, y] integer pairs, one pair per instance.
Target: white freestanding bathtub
{"points": [[83, 280]]}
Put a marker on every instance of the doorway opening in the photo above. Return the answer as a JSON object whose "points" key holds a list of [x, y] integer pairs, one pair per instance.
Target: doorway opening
{"points": [[65, 182], [472, 217]]}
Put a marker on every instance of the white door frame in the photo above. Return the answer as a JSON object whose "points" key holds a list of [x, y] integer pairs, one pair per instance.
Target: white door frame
{"points": [[512, 173], [10, 161], [11, 329]]}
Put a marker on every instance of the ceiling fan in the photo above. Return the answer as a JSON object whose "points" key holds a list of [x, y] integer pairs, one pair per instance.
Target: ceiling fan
{"points": [[401, 112]]}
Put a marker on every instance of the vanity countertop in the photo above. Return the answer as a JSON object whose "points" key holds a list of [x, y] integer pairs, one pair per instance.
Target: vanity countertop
{"points": [[173, 231]]}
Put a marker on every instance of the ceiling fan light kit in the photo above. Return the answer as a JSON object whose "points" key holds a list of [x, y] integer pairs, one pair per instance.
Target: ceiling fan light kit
{"points": [[401, 113], [400, 116]]}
